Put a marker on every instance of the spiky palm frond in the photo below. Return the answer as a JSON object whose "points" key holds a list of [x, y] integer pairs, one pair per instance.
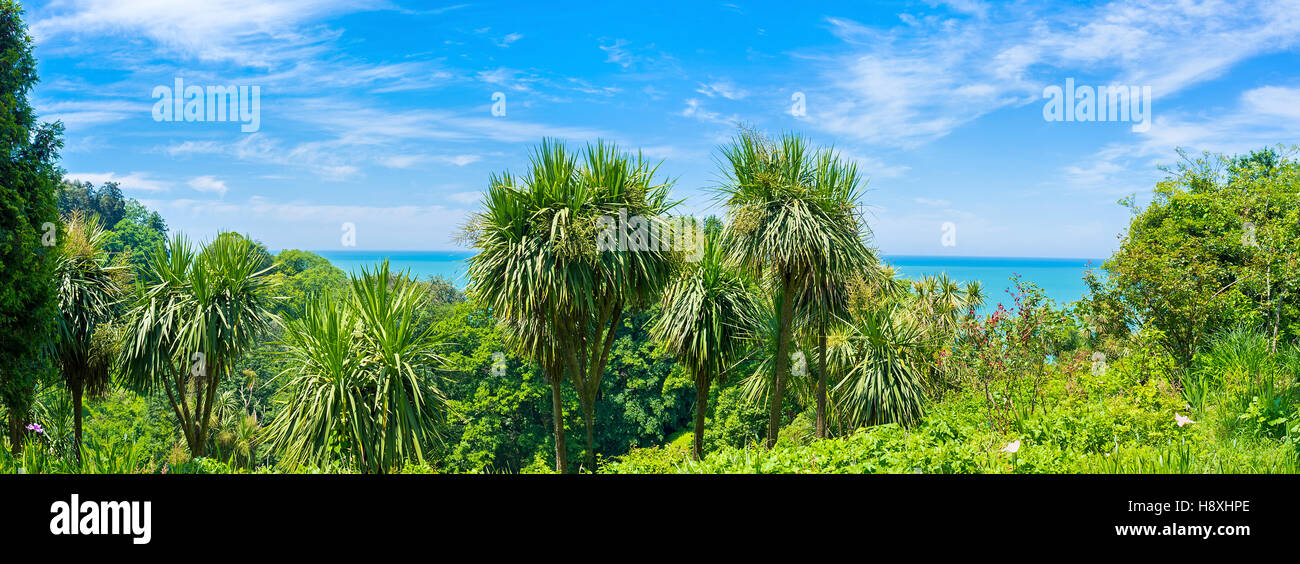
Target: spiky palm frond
{"points": [[762, 332], [196, 312], [701, 314], [359, 384], [90, 286], [885, 384], [558, 294], [793, 209]]}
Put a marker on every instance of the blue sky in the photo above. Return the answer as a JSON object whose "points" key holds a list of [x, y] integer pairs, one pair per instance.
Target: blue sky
{"points": [[379, 113]]}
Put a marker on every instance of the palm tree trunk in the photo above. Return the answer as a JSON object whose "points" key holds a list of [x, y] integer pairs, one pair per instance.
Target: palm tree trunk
{"points": [[821, 384], [701, 409], [557, 414], [76, 419], [589, 421], [782, 360], [15, 432], [211, 381]]}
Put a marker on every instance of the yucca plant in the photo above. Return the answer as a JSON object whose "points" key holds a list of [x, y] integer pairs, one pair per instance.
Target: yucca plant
{"points": [[699, 322], [361, 386], [195, 314], [90, 286], [558, 297], [794, 223], [885, 383]]}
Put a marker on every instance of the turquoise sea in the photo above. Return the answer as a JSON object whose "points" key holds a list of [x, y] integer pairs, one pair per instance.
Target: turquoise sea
{"points": [[1061, 278]]}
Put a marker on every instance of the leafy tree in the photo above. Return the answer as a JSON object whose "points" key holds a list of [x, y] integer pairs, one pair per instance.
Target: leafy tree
{"points": [[90, 287], [137, 235], [360, 386], [29, 216], [557, 294], [106, 202], [196, 314], [792, 224], [302, 277], [699, 322], [1215, 248]]}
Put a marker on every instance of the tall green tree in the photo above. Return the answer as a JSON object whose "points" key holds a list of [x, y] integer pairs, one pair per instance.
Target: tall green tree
{"points": [[90, 288], [560, 295], [29, 177], [700, 320], [794, 223], [196, 313]]}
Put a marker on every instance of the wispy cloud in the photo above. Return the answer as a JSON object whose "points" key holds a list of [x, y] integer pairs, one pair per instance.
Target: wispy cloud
{"points": [[722, 87], [907, 85], [694, 109], [140, 181], [209, 184]]}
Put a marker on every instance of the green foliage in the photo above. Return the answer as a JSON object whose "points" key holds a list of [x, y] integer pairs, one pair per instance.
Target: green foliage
{"points": [[1216, 248], [733, 420], [885, 385], [301, 277], [700, 321], [106, 204], [361, 387], [558, 293], [195, 314], [794, 226], [90, 289], [666, 459], [1250, 391], [137, 236], [29, 176]]}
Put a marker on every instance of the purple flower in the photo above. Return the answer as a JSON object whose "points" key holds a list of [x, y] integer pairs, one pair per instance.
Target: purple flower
{"points": [[36, 427]]}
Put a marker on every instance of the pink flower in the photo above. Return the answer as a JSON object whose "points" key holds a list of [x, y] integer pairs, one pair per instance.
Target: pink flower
{"points": [[36, 428]]}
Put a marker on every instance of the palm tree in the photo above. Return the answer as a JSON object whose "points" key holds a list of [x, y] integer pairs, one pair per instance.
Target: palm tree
{"points": [[793, 221], [360, 378], [195, 315], [558, 295], [939, 306], [89, 287], [885, 384], [699, 322]]}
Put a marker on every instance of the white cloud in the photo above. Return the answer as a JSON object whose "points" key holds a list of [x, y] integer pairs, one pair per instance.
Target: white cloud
{"points": [[409, 161], [907, 85], [82, 113], [235, 30], [696, 110], [1263, 117], [209, 184], [508, 39], [724, 88], [465, 197], [133, 181], [617, 53]]}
